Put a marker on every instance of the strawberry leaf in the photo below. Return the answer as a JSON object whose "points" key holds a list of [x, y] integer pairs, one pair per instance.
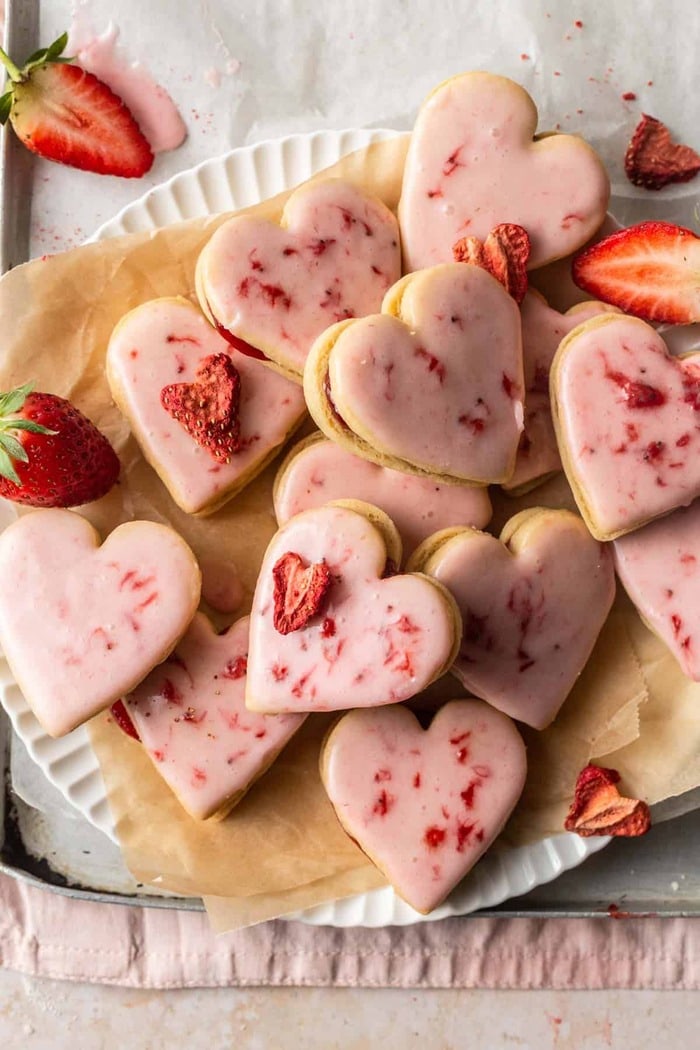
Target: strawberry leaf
{"points": [[7, 470], [25, 424], [36, 57], [12, 400], [13, 448], [5, 107], [57, 48]]}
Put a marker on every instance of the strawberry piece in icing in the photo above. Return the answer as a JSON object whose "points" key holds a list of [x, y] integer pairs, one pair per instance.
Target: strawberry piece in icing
{"points": [[299, 591], [208, 408], [472, 163], [277, 287], [434, 384], [628, 420], [317, 472], [659, 566], [533, 604], [424, 805], [543, 330], [377, 640], [192, 719], [109, 613], [163, 343]]}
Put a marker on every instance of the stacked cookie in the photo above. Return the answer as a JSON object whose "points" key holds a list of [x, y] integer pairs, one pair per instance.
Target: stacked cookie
{"points": [[431, 373]]}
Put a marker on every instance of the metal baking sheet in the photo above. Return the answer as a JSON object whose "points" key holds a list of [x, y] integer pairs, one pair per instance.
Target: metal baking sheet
{"points": [[46, 843]]}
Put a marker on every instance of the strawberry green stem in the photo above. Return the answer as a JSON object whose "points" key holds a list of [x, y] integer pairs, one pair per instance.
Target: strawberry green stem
{"points": [[14, 73]]}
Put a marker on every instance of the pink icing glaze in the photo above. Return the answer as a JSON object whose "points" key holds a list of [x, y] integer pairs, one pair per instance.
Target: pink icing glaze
{"points": [[222, 588], [323, 471], [374, 641], [531, 615], [425, 805], [108, 614], [659, 567], [277, 288], [441, 388], [543, 330], [192, 719], [164, 342], [630, 418], [472, 164], [151, 105]]}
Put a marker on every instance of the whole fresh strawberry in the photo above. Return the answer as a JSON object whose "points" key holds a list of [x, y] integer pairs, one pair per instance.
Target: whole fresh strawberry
{"points": [[66, 114], [51, 455]]}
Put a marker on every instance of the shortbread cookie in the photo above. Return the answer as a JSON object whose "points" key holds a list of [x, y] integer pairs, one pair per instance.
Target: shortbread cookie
{"points": [[533, 603], [424, 805], [431, 386], [317, 471], [543, 330], [272, 289], [332, 628], [206, 423], [473, 163], [627, 418], [191, 717], [82, 623], [659, 567]]}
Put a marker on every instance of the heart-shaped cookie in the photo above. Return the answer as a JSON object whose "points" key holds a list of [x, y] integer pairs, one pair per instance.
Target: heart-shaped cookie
{"points": [[191, 717], [342, 634], [433, 385], [543, 330], [317, 471], [162, 346], [659, 566], [627, 417], [82, 624], [274, 288], [533, 603], [424, 805], [473, 163]]}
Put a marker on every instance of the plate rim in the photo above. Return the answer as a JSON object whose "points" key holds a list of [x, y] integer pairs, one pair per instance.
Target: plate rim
{"points": [[374, 908]]}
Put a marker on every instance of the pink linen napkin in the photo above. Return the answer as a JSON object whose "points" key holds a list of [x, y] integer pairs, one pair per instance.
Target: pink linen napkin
{"points": [[48, 935]]}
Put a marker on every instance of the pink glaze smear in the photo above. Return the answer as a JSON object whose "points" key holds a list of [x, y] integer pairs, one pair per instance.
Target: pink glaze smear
{"points": [[151, 105], [425, 805]]}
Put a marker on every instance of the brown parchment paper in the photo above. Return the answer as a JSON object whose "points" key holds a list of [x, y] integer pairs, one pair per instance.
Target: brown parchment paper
{"points": [[282, 848]]}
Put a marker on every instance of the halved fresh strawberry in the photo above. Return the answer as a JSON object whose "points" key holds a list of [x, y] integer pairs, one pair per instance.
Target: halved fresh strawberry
{"points": [[651, 270], [653, 159], [67, 115], [56, 457]]}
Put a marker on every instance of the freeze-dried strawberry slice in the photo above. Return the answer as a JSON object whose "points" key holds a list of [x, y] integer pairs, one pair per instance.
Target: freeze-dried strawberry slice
{"points": [[598, 807], [504, 254], [121, 717], [208, 408], [651, 270], [653, 159], [299, 591]]}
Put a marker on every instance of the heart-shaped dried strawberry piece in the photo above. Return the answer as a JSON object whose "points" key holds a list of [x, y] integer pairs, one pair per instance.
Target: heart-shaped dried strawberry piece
{"points": [[163, 344], [299, 591], [109, 614], [424, 804], [533, 604], [504, 254], [373, 640], [628, 423], [432, 385], [473, 163], [274, 288], [598, 808], [191, 717], [208, 409]]}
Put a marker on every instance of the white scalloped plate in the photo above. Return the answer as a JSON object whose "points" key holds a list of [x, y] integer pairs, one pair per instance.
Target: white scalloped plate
{"points": [[238, 179]]}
